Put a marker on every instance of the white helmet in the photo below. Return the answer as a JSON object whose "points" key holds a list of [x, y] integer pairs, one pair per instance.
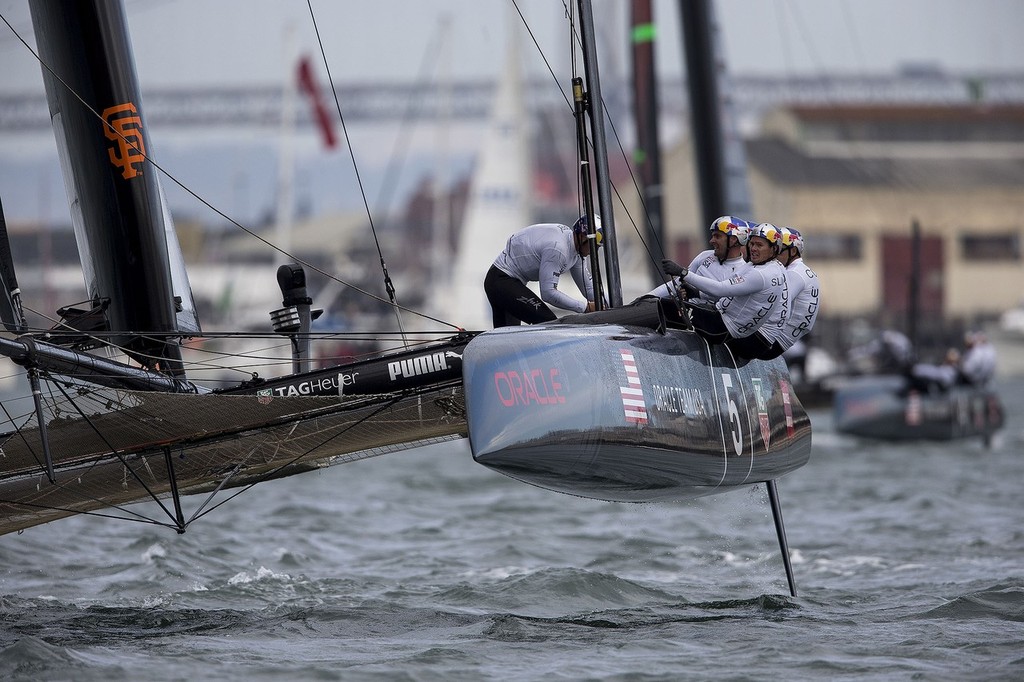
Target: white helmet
{"points": [[734, 227]]}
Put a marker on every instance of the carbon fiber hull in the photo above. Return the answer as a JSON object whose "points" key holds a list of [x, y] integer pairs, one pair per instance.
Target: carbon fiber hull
{"points": [[628, 413]]}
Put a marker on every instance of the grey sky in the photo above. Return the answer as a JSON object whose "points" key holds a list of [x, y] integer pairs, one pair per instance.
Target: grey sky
{"points": [[179, 42], [242, 42]]}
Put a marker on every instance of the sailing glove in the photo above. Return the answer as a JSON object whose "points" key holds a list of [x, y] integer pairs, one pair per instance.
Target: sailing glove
{"points": [[673, 269]]}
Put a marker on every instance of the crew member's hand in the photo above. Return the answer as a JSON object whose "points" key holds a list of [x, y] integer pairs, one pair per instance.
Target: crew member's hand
{"points": [[590, 307], [673, 269]]}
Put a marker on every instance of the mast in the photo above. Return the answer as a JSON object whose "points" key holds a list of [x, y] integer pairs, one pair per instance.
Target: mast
{"points": [[647, 156], [130, 255], [596, 110], [914, 289], [718, 149]]}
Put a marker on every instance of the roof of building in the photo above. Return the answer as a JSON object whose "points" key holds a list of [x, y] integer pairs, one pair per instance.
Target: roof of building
{"points": [[921, 147], [783, 163], [997, 123]]}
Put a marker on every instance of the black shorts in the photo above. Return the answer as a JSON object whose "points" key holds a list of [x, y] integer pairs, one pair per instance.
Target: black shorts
{"points": [[708, 323], [512, 302], [754, 347]]}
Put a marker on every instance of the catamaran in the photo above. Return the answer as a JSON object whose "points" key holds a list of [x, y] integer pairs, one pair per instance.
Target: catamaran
{"points": [[614, 405]]}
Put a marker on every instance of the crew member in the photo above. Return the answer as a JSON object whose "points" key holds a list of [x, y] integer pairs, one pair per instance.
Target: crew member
{"points": [[924, 376], [746, 300], [803, 292], [974, 367], [978, 362], [766, 342], [723, 260], [541, 253]]}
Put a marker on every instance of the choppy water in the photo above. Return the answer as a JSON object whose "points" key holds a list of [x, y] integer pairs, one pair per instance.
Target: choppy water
{"points": [[422, 565]]}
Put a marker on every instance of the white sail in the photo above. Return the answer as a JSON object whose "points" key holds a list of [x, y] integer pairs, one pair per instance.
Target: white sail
{"points": [[499, 200]]}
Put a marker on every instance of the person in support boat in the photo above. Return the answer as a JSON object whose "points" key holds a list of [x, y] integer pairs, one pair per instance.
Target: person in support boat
{"points": [[723, 260], [975, 366], [978, 361], [803, 294], [541, 253], [746, 301], [929, 378]]}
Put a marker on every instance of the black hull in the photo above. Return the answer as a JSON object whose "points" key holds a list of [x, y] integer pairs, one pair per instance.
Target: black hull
{"points": [[887, 408], [629, 414]]}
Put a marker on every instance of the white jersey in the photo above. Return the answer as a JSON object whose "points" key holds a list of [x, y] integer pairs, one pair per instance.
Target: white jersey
{"points": [[748, 299], [541, 253], [978, 364], [705, 263], [774, 327], [803, 302]]}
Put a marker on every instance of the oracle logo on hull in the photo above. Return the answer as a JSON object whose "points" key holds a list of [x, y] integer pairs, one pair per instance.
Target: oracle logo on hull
{"points": [[532, 386]]}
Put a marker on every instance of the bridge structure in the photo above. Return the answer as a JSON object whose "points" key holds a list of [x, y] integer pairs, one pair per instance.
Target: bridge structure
{"points": [[468, 101]]}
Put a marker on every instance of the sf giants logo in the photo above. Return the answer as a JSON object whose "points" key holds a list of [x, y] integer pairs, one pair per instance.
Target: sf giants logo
{"points": [[123, 127]]}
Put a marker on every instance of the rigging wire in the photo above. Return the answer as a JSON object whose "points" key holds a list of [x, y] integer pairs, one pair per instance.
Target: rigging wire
{"points": [[388, 284], [116, 453], [569, 12], [397, 156]]}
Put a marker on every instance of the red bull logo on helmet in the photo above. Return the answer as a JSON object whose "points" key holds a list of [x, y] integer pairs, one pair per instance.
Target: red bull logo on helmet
{"points": [[734, 227], [769, 232]]}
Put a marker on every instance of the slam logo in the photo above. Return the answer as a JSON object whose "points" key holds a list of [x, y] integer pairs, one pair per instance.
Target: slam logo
{"points": [[123, 127]]}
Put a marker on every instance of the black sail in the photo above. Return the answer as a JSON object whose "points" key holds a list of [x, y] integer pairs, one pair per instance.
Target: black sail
{"points": [[117, 208]]}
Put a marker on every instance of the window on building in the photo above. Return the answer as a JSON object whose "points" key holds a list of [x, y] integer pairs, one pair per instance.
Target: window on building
{"points": [[1003, 246], [835, 246]]}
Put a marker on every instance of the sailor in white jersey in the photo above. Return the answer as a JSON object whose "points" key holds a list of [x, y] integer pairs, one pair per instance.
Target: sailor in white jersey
{"points": [[541, 253], [978, 362], [747, 300], [723, 260], [803, 290]]}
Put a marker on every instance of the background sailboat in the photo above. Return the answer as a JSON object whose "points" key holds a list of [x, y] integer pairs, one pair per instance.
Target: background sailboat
{"points": [[499, 197]]}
